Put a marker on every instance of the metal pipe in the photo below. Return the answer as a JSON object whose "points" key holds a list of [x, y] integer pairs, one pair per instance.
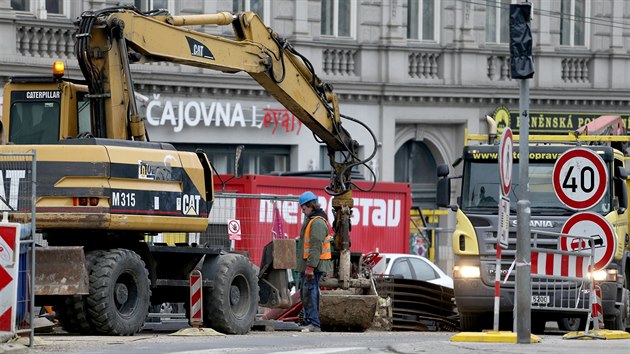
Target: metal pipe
{"points": [[221, 19]]}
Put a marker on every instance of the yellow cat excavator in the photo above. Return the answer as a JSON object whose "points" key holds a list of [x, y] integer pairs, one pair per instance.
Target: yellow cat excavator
{"points": [[102, 186]]}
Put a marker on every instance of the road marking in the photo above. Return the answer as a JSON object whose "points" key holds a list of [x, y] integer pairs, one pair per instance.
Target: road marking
{"points": [[323, 350]]}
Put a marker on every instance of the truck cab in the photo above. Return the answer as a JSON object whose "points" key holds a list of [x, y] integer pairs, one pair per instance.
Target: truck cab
{"points": [[474, 240]]}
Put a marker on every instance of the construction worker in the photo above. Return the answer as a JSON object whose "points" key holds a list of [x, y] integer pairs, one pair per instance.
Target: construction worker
{"points": [[314, 257]]}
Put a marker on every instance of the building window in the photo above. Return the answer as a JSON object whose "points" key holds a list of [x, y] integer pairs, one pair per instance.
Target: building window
{"points": [[414, 163], [338, 17], [497, 21], [41, 8], [260, 7], [54, 6], [148, 5], [422, 19], [20, 5], [573, 26], [255, 159]]}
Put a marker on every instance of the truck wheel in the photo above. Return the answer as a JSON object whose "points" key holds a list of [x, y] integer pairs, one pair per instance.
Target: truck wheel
{"points": [[119, 293], [72, 311], [230, 306], [619, 320], [570, 324], [538, 325], [474, 322]]}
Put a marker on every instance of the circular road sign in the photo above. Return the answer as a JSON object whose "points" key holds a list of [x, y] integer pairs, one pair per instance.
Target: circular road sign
{"points": [[580, 178], [234, 229], [594, 225], [505, 161]]}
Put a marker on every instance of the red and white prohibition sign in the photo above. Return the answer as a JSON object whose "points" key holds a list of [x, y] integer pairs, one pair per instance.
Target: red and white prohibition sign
{"points": [[580, 178], [234, 229], [596, 226], [506, 161]]}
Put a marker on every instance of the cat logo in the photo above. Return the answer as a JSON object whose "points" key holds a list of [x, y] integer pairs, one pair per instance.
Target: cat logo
{"points": [[189, 204], [198, 49], [502, 117]]}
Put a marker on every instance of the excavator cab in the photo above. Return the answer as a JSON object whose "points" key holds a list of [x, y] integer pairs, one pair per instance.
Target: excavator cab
{"points": [[44, 110]]}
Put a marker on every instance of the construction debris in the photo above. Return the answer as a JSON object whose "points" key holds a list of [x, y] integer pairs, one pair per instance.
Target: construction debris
{"points": [[418, 305]]}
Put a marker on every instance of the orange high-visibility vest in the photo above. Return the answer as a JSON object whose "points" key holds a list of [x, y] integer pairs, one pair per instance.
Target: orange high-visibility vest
{"points": [[326, 254]]}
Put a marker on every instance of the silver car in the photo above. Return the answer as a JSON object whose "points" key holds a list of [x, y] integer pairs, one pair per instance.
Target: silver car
{"points": [[409, 266]]}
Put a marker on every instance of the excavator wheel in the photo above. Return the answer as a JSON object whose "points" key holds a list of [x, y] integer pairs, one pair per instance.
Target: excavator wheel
{"points": [[72, 311], [72, 314], [119, 293], [230, 306]]}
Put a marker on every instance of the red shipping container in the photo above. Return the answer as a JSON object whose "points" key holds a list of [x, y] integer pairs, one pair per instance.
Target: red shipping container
{"points": [[380, 218]]}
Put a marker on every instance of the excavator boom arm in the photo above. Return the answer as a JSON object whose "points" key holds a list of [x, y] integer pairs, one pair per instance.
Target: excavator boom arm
{"points": [[110, 39], [118, 35]]}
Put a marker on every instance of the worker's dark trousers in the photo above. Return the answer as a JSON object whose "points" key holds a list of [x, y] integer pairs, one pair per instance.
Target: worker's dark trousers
{"points": [[310, 299]]}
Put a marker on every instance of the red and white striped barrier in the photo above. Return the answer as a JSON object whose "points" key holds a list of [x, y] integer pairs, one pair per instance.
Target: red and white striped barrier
{"points": [[196, 298], [596, 309], [9, 261], [562, 265]]}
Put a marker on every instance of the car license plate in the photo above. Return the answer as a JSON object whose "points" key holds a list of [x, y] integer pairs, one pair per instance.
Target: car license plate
{"points": [[540, 299]]}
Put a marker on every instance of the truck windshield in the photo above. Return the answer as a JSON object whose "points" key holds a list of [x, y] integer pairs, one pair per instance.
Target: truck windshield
{"points": [[481, 189], [34, 122]]}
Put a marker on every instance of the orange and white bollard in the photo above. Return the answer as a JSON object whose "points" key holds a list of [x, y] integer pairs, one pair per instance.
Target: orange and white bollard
{"points": [[596, 309]]}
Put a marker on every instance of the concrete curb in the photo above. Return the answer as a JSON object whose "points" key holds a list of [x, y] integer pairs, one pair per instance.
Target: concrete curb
{"points": [[13, 348]]}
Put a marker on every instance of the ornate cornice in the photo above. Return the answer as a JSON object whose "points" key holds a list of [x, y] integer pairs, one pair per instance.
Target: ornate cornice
{"points": [[462, 98]]}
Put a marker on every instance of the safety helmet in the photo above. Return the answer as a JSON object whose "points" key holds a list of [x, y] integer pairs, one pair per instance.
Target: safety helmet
{"points": [[307, 197]]}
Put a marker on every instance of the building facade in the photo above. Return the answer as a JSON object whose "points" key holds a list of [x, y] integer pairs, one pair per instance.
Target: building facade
{"points": [[419, 73]]}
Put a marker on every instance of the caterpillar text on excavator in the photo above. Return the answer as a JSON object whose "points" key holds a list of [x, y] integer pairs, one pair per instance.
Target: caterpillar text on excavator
{"points": [[103, 186]]}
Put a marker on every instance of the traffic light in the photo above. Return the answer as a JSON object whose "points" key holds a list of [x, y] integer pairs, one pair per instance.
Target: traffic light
{"points": [[522, 63]]}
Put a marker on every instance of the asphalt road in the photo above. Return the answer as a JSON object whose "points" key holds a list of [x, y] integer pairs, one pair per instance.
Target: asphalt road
{"points": [[159, 340]]}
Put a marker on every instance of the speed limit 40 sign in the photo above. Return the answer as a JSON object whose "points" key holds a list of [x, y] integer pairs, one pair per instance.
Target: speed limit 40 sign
{"points": [[580, 178]]}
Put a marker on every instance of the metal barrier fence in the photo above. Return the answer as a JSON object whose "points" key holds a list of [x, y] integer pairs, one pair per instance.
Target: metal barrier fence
{"points": [[259, 216], [17, 195], [561, 279], [256, 213]]}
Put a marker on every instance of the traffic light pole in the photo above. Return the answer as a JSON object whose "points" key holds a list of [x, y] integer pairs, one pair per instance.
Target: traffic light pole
{"points": [[523, 289], [522, 68]]}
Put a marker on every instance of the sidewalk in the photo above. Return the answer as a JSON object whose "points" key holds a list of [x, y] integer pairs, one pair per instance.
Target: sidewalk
{"points": [[548, 344]]}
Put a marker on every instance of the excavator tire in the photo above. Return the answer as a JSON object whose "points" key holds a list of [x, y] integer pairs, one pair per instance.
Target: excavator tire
{"points": [[119, 293], [230, 306], [71, 314], [72, 311]]}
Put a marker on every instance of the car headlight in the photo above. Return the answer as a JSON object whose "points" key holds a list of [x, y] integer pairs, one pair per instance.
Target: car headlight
{"points": [[605, 275], [466, 271]]}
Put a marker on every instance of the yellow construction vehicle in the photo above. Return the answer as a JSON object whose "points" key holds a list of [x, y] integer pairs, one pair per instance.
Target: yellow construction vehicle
{"points": [[102, 186], [474, 240]]}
